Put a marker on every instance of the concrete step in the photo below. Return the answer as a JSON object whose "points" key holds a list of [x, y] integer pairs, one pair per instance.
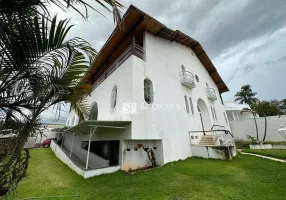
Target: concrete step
{"points": [[207, 140]]}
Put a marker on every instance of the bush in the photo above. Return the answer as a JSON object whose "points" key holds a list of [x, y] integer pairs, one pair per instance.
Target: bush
{"points": [[242, 144]]}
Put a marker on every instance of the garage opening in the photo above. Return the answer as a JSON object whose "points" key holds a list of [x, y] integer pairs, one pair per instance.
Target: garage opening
{"points": [[108, 150]]}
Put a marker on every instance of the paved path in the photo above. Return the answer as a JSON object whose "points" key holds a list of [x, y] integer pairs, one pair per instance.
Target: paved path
{"points": [[267, 157]]}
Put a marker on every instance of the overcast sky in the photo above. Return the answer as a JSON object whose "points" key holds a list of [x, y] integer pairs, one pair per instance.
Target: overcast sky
{"points": [[245, 39]]}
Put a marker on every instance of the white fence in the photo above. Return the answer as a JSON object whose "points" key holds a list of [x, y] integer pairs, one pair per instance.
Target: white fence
{"points": [[241, 128]]}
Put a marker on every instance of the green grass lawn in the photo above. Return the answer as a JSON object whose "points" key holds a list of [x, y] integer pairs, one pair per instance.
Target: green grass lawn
{"points": [[277, 153], [245, 177]]}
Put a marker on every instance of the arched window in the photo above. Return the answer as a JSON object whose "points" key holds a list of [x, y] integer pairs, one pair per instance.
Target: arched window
{"points": [[187, 104], [197, 78], [72, 122], [93, 112], [213, 113], [183, 68], [68, 123], [113, 97], [191, 105], [207, 85], [225, 118], [148, 91]]}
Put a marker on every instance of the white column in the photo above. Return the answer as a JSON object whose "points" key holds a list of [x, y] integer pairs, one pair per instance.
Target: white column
{"points": [[233, 116], [72, 144], [237, 115], [92, 131]]}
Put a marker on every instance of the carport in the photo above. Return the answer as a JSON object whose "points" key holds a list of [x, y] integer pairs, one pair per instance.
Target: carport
{"points": [[90, 127]]}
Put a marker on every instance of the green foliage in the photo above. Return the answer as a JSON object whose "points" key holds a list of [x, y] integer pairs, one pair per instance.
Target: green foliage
{"points": [[42, 69], [252, 139], [245, 177], [39, 7], [266, 108], [246, 96], [242, 144], [39, 67]]}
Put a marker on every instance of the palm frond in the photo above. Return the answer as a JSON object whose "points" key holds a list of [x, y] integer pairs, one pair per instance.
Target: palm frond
{"points": [[40, 7]]}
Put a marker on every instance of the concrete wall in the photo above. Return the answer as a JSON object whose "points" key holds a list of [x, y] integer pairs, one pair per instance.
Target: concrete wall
{"points": [[100, 135], [137, 159], [65, 159], [85, 173], [211, 152], [241, 128]]}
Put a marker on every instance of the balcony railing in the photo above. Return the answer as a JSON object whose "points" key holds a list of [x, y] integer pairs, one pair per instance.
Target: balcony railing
{"points": [[187, 79], [131, 50], [211, 94]]}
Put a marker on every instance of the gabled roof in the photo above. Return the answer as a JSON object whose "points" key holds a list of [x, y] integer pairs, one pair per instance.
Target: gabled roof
{"points": [[135, 19]]}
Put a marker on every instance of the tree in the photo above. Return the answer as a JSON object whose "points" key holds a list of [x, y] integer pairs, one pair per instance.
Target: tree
{"points": [[282, 106], [266, 108], [246, 96], [39, 68], [53, 70], [40, 7], [49, 73], [18, 19]]}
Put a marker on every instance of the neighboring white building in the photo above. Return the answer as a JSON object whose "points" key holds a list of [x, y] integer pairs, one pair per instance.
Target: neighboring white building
{"points": [[233, 111], [46, 133], [243, 124], [154, 88]]}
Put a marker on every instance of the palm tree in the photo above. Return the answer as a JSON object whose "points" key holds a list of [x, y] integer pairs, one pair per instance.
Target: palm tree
{"points": [[50, 71], [21, 49], [254, 118], [40, 69], [246, 96], [40, 7]]}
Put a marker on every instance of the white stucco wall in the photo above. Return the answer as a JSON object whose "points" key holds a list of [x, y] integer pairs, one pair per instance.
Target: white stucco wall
{"points": [[162, 67], [122, 77], [242, 128], [136, 159], [170, 124]]}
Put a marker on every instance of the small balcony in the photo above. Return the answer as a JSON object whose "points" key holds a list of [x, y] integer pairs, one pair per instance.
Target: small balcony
{"points": [[211, 94], [187, 79]]}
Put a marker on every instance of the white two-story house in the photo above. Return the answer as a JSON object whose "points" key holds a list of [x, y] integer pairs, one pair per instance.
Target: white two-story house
{"points": [[153, 88]]}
